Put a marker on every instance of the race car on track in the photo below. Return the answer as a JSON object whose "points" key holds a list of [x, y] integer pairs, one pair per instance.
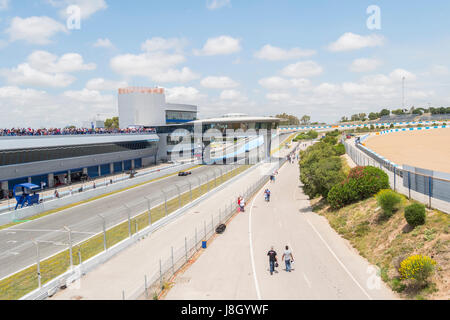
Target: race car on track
{"points": [[184, 173]]}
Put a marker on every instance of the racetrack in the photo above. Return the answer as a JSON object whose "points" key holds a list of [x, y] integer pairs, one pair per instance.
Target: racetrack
{"points": [[17, 252], [428, 149]]}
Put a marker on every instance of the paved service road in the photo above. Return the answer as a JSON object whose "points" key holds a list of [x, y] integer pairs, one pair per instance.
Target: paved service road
{"points": [[235, 266], [16, 251]]}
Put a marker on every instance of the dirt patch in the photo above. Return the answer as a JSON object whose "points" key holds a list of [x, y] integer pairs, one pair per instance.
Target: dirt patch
{"points": [[426, 149]]}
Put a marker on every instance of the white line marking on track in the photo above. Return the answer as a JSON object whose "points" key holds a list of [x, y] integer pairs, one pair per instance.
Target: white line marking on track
{"points": [[307, 280], [337, 259], [252, 256]]}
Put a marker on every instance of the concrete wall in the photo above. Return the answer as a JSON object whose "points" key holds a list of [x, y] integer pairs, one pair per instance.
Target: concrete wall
{"points": [[24, 213], [142, 108]]}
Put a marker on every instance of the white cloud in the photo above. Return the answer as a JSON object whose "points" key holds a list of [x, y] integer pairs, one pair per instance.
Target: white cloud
{"points": [[272, 53], [350, 41], [4, 4], [217, 4], [43, 69], [155, 64], [439, 70], [103, 43], [278, 96], [231, 95], [32, 108], [175, 75], [24, 74], [69, 62], [183, 94], [87, 7], [326, 88], [302, 69], [161, 44], [88, 96], [35, 30], [100, 84], [398, 74], [219, 83], [222, 45], [365, 65], [274, 83]]}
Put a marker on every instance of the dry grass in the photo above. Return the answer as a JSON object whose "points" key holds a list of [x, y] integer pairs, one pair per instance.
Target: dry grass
{"points": [[386, 242]]}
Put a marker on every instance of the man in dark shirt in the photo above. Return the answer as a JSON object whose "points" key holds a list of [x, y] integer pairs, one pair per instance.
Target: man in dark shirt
{"points": [[272, 260]]}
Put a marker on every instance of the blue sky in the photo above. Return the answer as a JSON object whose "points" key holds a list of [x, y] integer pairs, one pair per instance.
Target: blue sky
{"points": [[259, 57]]}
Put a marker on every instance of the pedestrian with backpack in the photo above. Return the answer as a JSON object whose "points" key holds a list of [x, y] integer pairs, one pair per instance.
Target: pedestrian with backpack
{"points": [[272, 260]]}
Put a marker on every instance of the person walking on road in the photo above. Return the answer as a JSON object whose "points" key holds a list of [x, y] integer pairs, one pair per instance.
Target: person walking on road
{"points": [[272, 260], [288, 258], [267, 195], [242, 204]]}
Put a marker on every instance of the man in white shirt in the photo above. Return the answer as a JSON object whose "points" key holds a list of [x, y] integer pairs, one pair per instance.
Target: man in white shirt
{"points": [[288, 258]]}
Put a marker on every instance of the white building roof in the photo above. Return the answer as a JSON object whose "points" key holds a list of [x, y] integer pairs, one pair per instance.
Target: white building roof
{"points": [[11, 143], [236, 119]]}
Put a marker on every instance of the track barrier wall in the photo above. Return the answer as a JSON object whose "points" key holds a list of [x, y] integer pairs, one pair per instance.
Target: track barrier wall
{"points": [[429, 187]]}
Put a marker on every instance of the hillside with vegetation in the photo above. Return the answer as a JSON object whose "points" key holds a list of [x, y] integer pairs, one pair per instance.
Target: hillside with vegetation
{"points": [[407, 241]]}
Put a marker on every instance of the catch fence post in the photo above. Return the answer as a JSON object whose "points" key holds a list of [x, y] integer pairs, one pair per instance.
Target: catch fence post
{"points": [[129, 221], [145, 286], [409, 185], [70, 246], [195, 245], [185, 248], [165, 202], [179, 196], [190, 190], [160, 274], [149, 204], [104, 232], [38, 264], [394, 178], [173, 266], [429, 191]]}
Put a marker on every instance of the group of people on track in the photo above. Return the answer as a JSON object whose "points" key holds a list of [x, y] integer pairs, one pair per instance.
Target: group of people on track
{"points": [[287, 257]]}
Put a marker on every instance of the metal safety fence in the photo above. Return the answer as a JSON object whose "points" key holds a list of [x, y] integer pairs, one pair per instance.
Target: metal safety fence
{"points": [[426, 186], [28, 265], [153, 284]]}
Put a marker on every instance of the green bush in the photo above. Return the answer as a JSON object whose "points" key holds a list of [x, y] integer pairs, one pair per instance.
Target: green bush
{"points": [[339, 149], [362, 183], [342, 194], [330, 140], [415, 214], [388, 200], [320, 169], [370, 180]]}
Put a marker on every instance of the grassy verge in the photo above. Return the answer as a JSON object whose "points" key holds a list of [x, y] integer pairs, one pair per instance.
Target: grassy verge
{"points": [[49, 212], [386, 242], [25, 281], [284, 143]]}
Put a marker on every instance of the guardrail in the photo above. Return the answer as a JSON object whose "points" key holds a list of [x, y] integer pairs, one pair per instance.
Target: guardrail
{"points": [[427, 186], [101, 233], [76, 197], [346, 126], [151, 287]]}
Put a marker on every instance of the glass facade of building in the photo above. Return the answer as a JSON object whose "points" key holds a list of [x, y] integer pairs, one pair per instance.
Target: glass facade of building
{"points": [[18, 156], [173, 117]]}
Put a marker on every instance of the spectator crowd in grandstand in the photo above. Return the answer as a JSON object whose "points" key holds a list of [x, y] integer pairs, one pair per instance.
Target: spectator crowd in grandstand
{"points": [[69, 131]]}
